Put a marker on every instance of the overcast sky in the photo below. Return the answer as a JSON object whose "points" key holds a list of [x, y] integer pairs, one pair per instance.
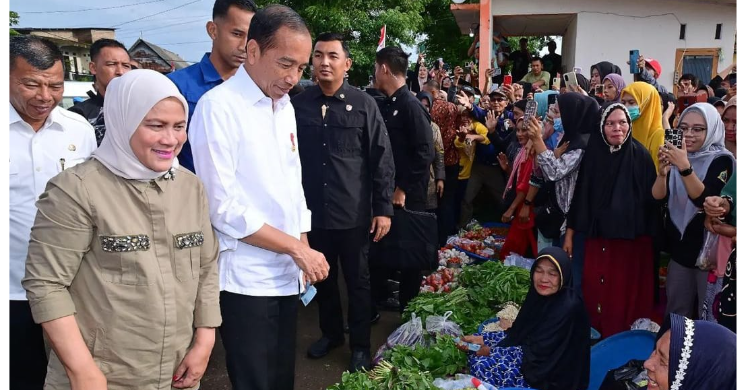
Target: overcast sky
{"points": [[181, 30]]}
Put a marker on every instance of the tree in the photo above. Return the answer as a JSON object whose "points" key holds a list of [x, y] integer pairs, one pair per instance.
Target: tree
{"points": [[13, 22], [443, 37], [360, 22]]}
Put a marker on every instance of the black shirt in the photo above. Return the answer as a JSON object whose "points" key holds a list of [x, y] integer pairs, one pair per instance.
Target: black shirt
{"points": [[93, 110], [346, 157], [686, 248], [410, 131], [552, 64], [521, 62]]}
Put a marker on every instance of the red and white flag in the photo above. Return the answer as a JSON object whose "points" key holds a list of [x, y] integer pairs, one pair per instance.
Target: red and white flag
{"points": [[381, 42]]}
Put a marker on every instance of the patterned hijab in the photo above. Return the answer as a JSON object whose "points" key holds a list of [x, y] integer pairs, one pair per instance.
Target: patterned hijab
{"points": [[647, 129], [681, 208], [702, 355], [129, 98]]}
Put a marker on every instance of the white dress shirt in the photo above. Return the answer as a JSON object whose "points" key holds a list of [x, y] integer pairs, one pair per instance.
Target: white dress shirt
{"points": [[245, 151], [66, 139]]}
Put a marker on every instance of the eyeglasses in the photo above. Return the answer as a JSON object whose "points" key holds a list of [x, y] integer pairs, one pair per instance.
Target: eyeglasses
{"points": [[693, 129]]}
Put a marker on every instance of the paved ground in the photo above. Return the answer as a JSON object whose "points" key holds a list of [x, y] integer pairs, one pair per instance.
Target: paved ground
{"points": [[309, 374]]}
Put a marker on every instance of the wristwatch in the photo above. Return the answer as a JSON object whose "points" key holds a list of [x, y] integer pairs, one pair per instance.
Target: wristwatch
{"points": [[527, 202], [687, 172]]}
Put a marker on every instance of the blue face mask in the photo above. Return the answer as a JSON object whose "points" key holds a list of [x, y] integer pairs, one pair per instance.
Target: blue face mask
{"points": [[635, 112], [557, 124]]}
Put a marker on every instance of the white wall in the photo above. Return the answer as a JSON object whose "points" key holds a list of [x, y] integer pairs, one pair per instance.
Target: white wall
{"points": [[608, 29], [568, 52]]}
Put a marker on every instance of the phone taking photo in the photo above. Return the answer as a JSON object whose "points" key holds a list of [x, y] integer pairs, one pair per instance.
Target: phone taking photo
{"points": [[530, 112], [507, 79], [634, 55], [674, 137], [570, 80], [599, 90]]}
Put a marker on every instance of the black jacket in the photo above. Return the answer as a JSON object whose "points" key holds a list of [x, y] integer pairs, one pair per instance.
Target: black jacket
{"points": [[347, 162], [410, 131], [93, 110]]}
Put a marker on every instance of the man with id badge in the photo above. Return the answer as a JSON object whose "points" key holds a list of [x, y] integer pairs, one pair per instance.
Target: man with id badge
{"points": [[44, 140], [348, 177]]}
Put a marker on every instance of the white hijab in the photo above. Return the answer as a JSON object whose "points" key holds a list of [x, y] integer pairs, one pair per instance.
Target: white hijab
{"points": [[127, 101], [681, 208]]}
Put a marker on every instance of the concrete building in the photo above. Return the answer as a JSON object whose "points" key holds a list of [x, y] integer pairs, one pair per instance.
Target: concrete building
{"points": [[685, 36]]}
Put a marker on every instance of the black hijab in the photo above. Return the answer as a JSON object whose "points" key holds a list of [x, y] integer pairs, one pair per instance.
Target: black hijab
{"points": [[553, 332], [605, 68], [613, 197], [425, 95], [579, 115]]}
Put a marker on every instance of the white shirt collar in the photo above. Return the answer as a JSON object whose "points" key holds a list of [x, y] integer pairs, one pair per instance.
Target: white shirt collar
{"points": [[254, 93], [53, 118]]}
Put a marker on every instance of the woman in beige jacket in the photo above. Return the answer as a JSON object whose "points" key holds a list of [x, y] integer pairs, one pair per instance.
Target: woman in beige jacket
{"points": [[121, 271]]}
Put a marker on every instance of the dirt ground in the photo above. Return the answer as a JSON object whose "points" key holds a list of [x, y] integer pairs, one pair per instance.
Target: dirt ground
{"points": [[309, 374]]}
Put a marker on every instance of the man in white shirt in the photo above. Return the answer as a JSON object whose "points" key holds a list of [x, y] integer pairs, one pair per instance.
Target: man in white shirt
{"points": [[44, 140], [244, 139]]}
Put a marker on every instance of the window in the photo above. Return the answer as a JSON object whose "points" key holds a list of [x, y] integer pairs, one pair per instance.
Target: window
{"points": [[718, 31], [700, 62], [683, 27]]}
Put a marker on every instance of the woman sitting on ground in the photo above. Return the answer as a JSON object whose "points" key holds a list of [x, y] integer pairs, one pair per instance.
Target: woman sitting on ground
{"points": [[547, 346]]}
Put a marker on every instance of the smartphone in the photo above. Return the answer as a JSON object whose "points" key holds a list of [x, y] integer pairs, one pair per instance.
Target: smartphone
{"points": [[634, 54], [421, 48], [497, 72], [468, 64], [570, 80], [371, 79], [674, 137], [507, 79], [599, 90], [446, 67], [530, 112], [556, 82], [551, 99], [577, 70]]}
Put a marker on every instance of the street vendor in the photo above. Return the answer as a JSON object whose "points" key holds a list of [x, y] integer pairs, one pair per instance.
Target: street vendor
{"points": [[547, 346]]}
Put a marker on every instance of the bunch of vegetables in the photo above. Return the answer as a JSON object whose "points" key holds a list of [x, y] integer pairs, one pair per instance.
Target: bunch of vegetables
{"points": [[442, 280], [481, 289], [478, 235], [492, 283], [441, 358], [386, 376]]}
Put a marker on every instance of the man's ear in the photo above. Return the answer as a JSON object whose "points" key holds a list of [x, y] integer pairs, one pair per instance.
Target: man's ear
{"points": [[253, 51], [211, 29], [92, 67]]}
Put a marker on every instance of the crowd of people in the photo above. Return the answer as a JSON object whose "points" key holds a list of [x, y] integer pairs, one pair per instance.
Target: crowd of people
{"points": [[163, 207]]}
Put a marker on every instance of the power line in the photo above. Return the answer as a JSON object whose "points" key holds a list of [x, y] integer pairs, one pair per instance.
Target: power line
{"points": [[139, 31], [158, 13], [89, 9], [158, 20], [151, 34]]}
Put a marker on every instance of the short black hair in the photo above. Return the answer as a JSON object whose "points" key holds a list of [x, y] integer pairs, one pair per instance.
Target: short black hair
{"points": [[693, 79], [395, 58], [552, 43], [536, 59], [269, 20], [100, 44], [221, 7], [432, 83], [330, 37], [524, 40], [40, 53]]}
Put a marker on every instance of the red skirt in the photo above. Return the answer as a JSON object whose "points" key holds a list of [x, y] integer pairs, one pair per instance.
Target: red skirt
{"points": [[520, 237], [617, 282]]}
